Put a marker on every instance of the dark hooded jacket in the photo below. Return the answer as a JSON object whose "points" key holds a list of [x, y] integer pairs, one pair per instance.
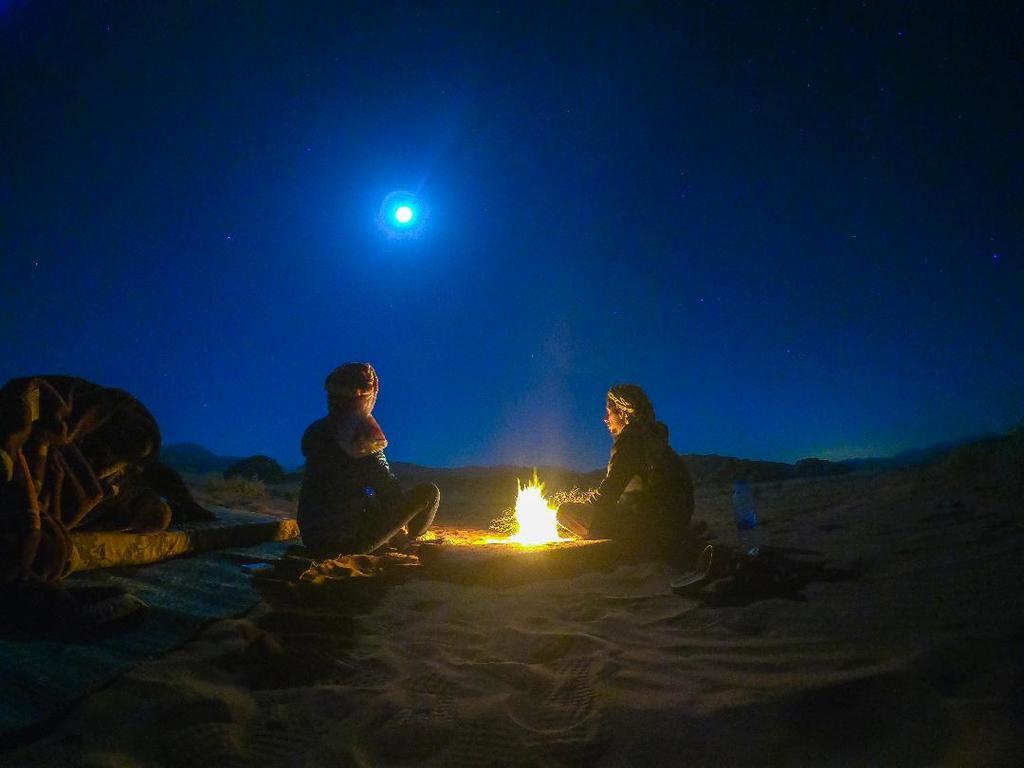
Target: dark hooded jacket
{"points": [[644, 469], [338, 488]]}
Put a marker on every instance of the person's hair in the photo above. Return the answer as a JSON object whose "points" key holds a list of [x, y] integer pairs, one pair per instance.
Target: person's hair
{"points": [[631, 403], [346, 380]]}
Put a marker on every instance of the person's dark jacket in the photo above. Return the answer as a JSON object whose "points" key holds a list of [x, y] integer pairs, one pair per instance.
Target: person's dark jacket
{"points": [[644, 466], [338, 488]]}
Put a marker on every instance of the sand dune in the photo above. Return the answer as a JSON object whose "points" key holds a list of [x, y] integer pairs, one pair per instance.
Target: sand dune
{"points": [[913, 654]]}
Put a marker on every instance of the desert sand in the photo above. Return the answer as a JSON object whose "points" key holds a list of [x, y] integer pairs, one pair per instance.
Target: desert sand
{"points": [[911, 653]]}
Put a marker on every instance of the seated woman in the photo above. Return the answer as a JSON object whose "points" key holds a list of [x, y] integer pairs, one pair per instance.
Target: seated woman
{"points": [[646, 497], [350, 501]]}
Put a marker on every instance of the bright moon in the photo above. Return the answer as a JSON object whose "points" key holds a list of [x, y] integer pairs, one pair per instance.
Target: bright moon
{"points": [[403, 215]]}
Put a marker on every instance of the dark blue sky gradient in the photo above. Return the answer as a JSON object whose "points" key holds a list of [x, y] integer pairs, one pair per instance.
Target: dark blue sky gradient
{"points": [[801, 229]]}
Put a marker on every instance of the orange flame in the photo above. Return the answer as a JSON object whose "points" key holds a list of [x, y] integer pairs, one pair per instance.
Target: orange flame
{"points": [[533, 520]]}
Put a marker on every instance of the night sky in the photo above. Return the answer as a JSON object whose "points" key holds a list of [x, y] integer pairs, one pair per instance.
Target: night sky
{"points": [[800, 228]]}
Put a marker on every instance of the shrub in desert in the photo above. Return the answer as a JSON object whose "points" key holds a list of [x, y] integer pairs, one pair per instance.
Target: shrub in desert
{"points": [[222, 488], [261, 467]]}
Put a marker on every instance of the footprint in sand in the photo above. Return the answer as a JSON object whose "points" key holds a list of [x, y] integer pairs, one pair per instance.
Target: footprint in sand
{"points": [[416, 731], [489, 739], [288, 730], [545, 647], [563, 722], [423, 724]]}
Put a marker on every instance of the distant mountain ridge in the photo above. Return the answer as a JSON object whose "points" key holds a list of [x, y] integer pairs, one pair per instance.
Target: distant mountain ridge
{"points": [[705, 468], [195, 459], [912, 457]]}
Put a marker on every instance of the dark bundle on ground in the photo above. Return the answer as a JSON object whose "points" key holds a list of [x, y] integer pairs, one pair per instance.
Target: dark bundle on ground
{"points": [[78, 455]]}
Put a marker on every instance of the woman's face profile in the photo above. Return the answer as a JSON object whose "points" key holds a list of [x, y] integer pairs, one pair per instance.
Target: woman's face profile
{"points": [[613, 420]]}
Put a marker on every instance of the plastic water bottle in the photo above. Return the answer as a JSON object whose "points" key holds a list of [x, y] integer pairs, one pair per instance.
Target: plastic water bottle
{"points": [[747, 524]]}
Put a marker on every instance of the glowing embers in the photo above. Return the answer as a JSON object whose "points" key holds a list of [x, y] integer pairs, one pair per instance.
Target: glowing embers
{"points": [[532, 521]]}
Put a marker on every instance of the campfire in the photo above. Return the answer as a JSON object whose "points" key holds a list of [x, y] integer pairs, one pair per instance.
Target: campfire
{"points": [[532, 520]]}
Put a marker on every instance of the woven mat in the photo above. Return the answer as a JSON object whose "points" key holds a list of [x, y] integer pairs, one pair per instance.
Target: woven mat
{"points": [[41, 679]]}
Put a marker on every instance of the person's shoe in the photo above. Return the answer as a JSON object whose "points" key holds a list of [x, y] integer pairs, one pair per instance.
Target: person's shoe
{"points": [[699, 576]]}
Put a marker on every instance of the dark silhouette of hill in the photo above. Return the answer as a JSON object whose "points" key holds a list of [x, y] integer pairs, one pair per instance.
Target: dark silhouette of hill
{"points": [[913, 457], [714, 469], [195, 459], [262, 467], [705, 468]]}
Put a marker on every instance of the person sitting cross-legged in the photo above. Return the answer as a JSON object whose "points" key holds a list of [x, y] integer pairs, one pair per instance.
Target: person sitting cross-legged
{"points": [[350, 501], [646, 497]]}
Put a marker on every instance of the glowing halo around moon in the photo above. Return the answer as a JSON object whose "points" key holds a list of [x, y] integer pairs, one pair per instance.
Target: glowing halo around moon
{"points": [[402, 215]]}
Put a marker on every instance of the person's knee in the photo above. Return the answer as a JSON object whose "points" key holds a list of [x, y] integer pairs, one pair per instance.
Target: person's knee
{"points": [[427, 495], [421, 504], [435, 493]]}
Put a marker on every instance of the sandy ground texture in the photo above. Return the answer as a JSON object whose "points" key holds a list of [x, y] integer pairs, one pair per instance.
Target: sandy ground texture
{"points": [[908, 650]]}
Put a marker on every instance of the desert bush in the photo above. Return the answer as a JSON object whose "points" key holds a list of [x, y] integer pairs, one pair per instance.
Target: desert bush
{"points": [[250, 488], [288, 493], [261, 467]]}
